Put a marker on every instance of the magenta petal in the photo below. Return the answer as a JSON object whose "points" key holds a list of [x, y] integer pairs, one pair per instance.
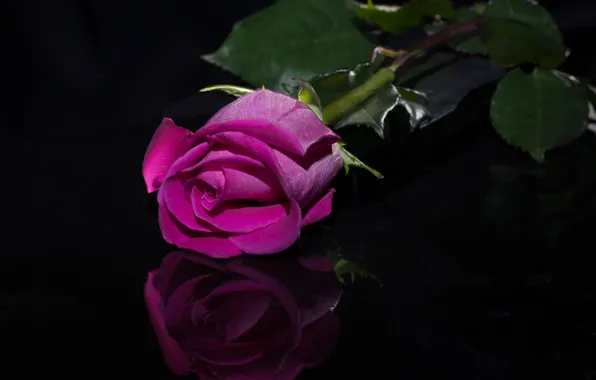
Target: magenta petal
{"points": [[236, 218], [190, 158], [170, 230], [213, 178], [251, 184], [308, 129], [213, 246], [319, 210], [181, 208], [306, 184], [167, 144], [175, 357], [211, 194], [273, 238], [287, 113], [255, 149], [268, 132], [219, 157]]}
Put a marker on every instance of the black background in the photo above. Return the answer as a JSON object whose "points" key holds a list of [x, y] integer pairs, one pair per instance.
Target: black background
{"points": [[86, 83]]}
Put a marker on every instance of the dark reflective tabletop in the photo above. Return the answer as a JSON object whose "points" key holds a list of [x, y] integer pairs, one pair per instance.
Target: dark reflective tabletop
{"points": [[475, 270]]}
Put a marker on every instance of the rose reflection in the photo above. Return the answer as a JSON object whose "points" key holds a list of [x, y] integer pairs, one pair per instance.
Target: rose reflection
{"points": [[252, 317]]}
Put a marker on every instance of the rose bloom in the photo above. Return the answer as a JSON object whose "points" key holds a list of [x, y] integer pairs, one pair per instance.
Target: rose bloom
{"points": [[247, 181], [246, 318]]}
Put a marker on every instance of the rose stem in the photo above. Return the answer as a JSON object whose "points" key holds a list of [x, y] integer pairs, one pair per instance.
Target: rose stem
{"points": [[358, 95], [386, 75]]}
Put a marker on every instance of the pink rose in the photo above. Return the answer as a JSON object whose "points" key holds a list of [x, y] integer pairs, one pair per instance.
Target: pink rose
{"points": [[247, 181], [246, 318]]}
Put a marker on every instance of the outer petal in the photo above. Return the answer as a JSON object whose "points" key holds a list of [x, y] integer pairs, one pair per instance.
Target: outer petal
{"points": [[306, 180], [211, 245], [233, 217], [175, 357], [273, 238], [190, 158], [167, 144], [282, 110], [319, 210], [270, 133]]}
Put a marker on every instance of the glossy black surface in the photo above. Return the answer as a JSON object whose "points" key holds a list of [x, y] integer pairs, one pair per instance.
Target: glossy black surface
{"points": [[463, 296]]}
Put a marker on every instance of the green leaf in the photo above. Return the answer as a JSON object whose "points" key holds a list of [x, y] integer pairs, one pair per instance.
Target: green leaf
{"points": [[374, 111], [401, 19], [349, 268], [236, 91], [350, 160], [521, 31], [538, 111], [292, 39]]}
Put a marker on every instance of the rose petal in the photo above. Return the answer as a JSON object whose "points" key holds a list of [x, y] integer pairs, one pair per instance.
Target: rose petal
{"points": [[319, 210], [181, 208], [254, 148], [171, 230], [190, 158], [220, 156], [213, 246], [308, 128], [307, 184], [211, 194], [176, 359], [213, 178], [252, 184], [266, 131], [273, 238], [288, 113], [167, 144], [234, 217]]}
